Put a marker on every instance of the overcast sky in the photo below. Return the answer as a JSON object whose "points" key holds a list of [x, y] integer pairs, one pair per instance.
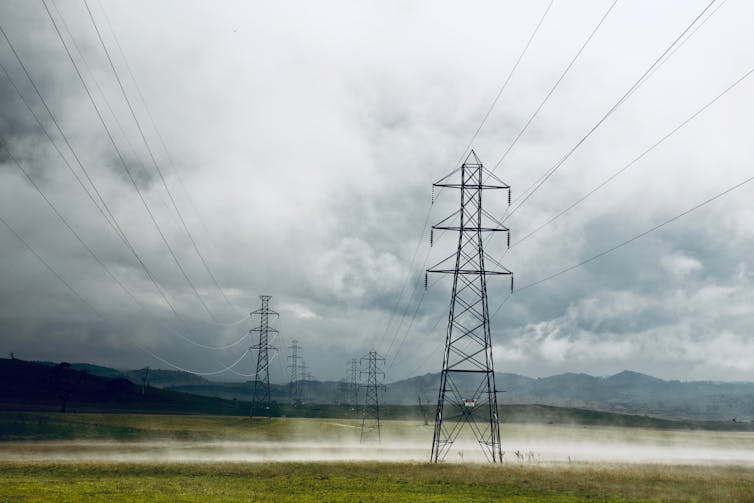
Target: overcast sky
{"points": [[302, 140]]}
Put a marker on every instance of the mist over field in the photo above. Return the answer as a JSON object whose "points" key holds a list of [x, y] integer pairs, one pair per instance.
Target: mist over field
{"points": [[302, 440]]}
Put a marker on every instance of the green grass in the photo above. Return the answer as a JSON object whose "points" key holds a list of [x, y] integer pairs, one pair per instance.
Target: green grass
{"points": [[388, 482]]}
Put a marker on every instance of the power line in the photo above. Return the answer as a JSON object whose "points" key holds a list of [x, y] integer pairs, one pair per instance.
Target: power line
{"points": [[154, 160], [182, 369], [111, 220], [636, 159], [152, 121], [614, 248], [531, 118], [100, 315], [91, 252], [51, 269], [124, 164], [507, 80], [57, 126], [644, 77], [64, 220], [461, 158], [638, 236], [555, 86]]}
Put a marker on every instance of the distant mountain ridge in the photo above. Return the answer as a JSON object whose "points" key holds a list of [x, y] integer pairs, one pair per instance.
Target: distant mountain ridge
{"points": [[627, 392]]}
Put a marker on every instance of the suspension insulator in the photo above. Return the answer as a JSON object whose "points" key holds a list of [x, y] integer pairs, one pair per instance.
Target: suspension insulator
{"points": [[509, 197], [509, 239], [511, 283], [426, 279], [431, 237], [433, 194]]}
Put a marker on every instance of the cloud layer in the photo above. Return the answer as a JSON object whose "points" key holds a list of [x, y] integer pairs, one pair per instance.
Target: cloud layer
{"points": [[302, 141]]}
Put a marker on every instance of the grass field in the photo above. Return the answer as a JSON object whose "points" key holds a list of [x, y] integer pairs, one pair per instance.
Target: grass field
{"points": [[136, 457], [388, 482]]}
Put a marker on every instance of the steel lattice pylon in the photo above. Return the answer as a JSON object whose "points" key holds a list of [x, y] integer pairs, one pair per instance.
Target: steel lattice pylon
{"points": [[294, 385], [353, 383], [261, 395], [467, 394], [370, 419]]}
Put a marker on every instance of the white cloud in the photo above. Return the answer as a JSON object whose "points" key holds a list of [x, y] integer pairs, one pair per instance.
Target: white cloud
{"points": [[680, 265]]}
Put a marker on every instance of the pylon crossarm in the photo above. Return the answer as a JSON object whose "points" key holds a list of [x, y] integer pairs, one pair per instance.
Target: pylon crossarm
{"points": [[468, 186], [474, 229], [475, 272], [265, 329]]}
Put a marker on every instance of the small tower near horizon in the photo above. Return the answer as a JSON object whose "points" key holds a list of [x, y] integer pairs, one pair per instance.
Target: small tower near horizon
{"points": [[370, 419]]}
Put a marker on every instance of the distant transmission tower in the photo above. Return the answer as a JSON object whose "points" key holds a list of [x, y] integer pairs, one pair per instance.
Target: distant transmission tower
{"points": [[370, 421], [354, 382], [261, 396], [467, 394], [295, 384], [145, 380], [303, 385]]}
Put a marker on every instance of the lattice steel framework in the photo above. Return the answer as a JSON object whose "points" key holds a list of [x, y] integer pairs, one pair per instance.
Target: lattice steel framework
{"points": [[294, 385], [467, 393], [261, 394], [370, 419], [354, 381]]}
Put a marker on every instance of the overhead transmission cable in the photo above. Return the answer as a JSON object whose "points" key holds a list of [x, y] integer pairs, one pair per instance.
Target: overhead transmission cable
{"points": [[554, 86], [155, 163], [505, 82], [91, 74], [531, 118], [638, 83], [153, 123], [104, 210], [91, 252], [227, 368], [57, 126], [636, 159], [658, 63], [546, 98], [125, 166], [461, 158], [638, 236], [97, 312], [619, 245], [51, 269]]}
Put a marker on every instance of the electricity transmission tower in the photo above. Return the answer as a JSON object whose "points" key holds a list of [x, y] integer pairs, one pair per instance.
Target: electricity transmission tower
{"points": [[423, 410], [261, 396], [354, 382], [467, 394], [370, 419], [145, 380], [295, 383], [303, 384]]}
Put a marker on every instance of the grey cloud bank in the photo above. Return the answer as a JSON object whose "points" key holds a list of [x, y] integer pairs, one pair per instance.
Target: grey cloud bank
{"points": [[303, 140]]}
